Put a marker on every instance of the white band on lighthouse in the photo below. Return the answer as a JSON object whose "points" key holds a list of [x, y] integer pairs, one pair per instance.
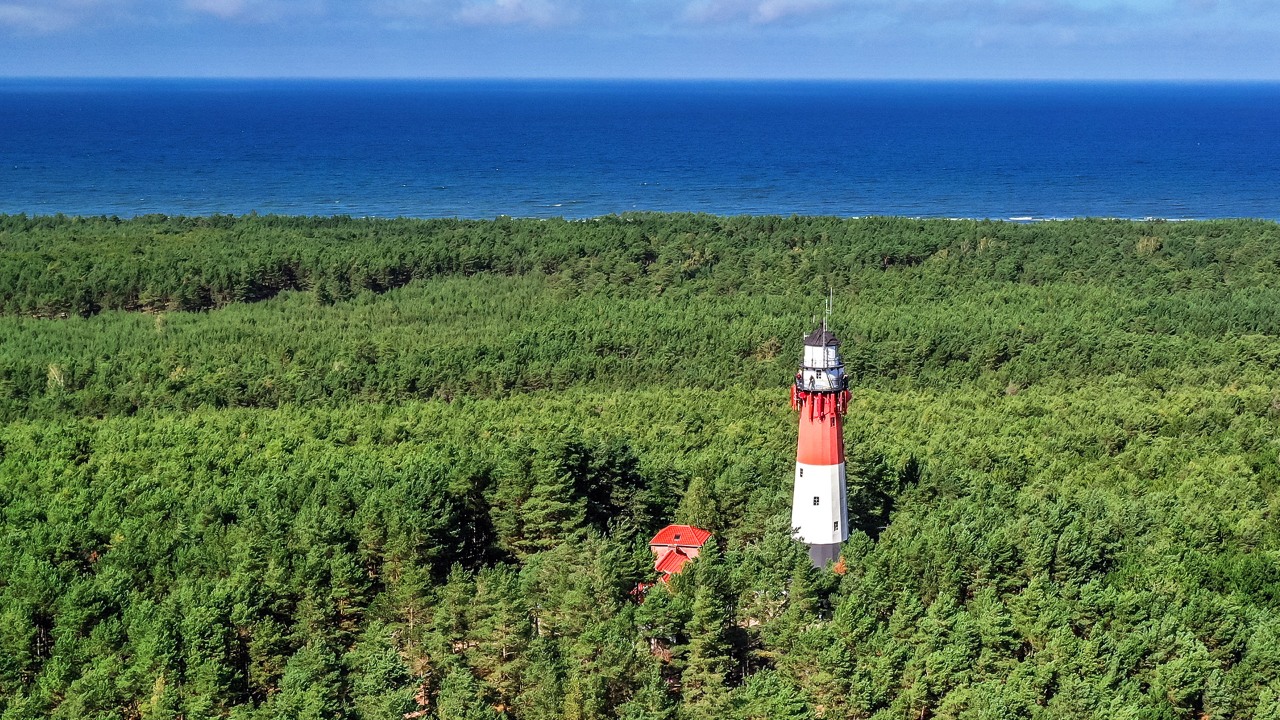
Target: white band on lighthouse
{"points": [[819, 506]]}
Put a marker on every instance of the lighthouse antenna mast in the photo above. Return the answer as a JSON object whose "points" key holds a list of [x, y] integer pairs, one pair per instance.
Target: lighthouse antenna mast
{"points": [[827, 307]]}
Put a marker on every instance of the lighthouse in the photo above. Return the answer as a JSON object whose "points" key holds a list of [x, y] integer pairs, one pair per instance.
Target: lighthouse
{"points": [[819, 505]]}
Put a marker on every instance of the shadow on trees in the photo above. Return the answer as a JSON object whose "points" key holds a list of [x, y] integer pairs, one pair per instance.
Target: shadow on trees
{"points": [[876, 486]]}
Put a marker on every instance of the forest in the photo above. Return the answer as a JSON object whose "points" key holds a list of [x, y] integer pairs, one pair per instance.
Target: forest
{"points": [[273, 467]]}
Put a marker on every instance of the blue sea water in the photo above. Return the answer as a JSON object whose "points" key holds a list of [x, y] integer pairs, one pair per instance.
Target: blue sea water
{"points": [[585, 148]]}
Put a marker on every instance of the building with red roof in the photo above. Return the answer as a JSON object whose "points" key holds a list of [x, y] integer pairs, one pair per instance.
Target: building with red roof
{"points": [[671, 563], [675, 545]]}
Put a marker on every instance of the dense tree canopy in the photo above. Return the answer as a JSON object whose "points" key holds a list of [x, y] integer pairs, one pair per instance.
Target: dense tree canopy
{"points": [[318, 468]]}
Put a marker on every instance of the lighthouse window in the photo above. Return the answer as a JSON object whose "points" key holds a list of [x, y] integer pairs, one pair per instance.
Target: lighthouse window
{"points": [[835, 525], [815, 500], [801, 472]]}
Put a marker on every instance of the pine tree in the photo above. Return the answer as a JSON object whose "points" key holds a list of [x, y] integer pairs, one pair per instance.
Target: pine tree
{"points": [[1222, 695], [512, 486], [699, 506], [802, 596], [379, 681], [653, 701], [501, 631], [995, 627], [554, 513], [311, 688], [453, 606], [707, 662], [663, 615], [460, 698], [767, 695], [542, 696]]}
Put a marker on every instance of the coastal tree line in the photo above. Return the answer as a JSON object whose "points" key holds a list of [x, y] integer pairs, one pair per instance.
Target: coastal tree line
{"points": [[722, 301], [53, 265]]}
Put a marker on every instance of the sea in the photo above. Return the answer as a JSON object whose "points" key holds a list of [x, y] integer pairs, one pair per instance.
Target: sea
{"points": [[1023, 151]]}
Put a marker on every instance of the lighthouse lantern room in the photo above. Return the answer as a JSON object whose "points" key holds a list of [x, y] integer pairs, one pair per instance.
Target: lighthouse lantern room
{"points": [[819, 506]]}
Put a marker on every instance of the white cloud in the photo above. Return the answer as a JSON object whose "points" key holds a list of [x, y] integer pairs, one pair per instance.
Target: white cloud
{"points": [[771, 11], [226, 9], [257, 11], [999, 12], [653, 18], [415, 9], [540, 13], [47, 16], [21, 17], [756, 12]]}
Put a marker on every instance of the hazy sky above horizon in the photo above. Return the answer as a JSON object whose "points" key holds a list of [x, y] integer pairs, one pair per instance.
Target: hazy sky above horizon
{"points": [[944, 39]]}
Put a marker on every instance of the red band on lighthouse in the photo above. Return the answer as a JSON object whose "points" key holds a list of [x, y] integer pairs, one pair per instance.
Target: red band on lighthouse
{"points": [[821, 432]]}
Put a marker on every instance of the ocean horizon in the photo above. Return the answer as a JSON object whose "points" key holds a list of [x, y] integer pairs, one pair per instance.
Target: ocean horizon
{"points": [[1005, 150]]}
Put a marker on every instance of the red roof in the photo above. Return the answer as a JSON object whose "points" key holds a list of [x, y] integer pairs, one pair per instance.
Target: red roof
{"points": [[671, 563], [681, 536]]}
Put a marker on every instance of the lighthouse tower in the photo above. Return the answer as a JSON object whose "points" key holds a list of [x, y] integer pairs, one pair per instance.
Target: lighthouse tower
{"points": [[819, 506]]}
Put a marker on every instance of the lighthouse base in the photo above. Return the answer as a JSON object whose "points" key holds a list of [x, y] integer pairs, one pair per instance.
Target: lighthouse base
{"points": [[824, 555]]}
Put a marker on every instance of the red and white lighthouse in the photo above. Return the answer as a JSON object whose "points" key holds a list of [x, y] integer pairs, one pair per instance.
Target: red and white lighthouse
{"points": [[819, 505]]}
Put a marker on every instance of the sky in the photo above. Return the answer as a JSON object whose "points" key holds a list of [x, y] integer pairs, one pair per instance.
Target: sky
{"points": [[734, 39]]}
